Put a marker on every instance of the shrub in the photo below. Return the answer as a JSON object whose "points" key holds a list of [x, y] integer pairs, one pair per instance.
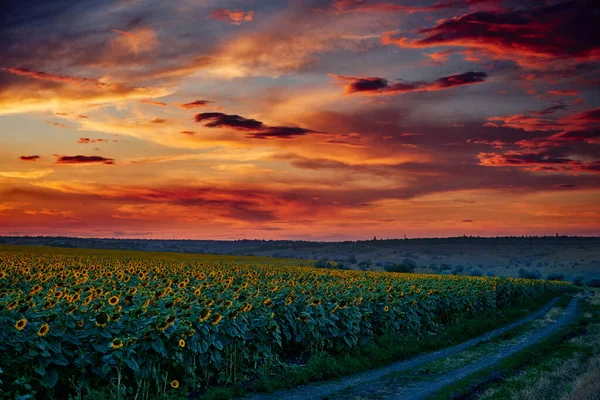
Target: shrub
{"points": [[458, 269], [555, 277], [476, 272], [578, 280], [595, 283], [529, 273], [407, 265]]}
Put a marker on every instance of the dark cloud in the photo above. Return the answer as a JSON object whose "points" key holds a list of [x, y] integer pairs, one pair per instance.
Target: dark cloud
{"points": [[29, 158], [346, 6], [566, 30], [79, 159], [282, 132], [380, 86], [550, 110], [220, 120], [256, 129]]}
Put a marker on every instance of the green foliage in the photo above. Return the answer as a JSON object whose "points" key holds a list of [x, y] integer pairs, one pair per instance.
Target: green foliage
{"points": [[407, 266], [529, 273], [167, 326]]}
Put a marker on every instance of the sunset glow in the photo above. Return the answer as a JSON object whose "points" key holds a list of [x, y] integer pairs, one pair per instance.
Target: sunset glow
{"points": [[317, 119]]}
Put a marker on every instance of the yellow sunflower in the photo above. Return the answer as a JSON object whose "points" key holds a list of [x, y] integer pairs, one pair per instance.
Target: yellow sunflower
{"points": [[204, 314], [116, 344], [181, 343], [21, 324], [175, 384], [43, 331], [216, 319], [114, 300]]}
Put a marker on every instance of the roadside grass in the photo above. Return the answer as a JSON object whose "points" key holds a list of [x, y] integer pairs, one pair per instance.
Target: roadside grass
{"points": [[435, 369], [565, 365], [379, 353]]}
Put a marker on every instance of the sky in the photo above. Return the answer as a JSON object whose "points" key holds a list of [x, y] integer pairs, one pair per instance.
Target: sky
{"points": [[299, 119]]}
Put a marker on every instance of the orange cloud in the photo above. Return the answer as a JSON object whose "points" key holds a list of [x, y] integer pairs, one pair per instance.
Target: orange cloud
{"points": [[235, 17], [55, 78], [140, 41], [154, 103]]}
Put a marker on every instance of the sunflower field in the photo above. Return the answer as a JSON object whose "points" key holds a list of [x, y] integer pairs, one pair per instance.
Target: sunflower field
{"points": [[146, 327]]}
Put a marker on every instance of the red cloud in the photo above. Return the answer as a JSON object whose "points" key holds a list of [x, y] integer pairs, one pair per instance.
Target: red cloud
{"points": [[525, 36], [79, 159], [29, 158], [154, 103], [380, 86], [57, 124], [563, 92], [346, 6], [235, 17], [196, 104], [537, 162], [85, 140], [54, 78], [158, 120]]}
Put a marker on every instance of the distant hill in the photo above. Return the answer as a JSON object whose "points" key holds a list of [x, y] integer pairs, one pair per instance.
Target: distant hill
{"points": [[506, 256]]}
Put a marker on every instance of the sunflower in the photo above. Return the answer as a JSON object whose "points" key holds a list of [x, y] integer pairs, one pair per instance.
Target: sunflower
{"points": [[204, 314], [80, 323], [247, 307], [209, 303], [163, 326], [316, 302], [36, 289], [116, 344], [197, 292], [101, 319], [25, 308], [228, 303], [175, 384], [216, 319], [20, 325], [233, 315], [386, 308], [181, 343], [171, 319], [343, 304], [303, 318], [288, 301], [114, 300], [43, 331], [268, 302], [181, 285], [12, 305]]}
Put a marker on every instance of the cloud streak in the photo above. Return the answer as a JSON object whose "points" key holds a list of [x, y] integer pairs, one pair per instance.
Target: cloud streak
{"points": [[381, 87]]}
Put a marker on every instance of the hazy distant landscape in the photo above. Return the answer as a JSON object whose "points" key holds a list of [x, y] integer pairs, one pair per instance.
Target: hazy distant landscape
{"points": [[504, 256]]}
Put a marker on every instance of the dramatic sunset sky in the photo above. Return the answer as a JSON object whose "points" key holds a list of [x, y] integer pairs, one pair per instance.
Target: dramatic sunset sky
{"points": [[299, 119]]}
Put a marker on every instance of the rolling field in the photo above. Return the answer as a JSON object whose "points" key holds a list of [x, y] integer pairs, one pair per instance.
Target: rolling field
{"points": [[134, 325]]}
